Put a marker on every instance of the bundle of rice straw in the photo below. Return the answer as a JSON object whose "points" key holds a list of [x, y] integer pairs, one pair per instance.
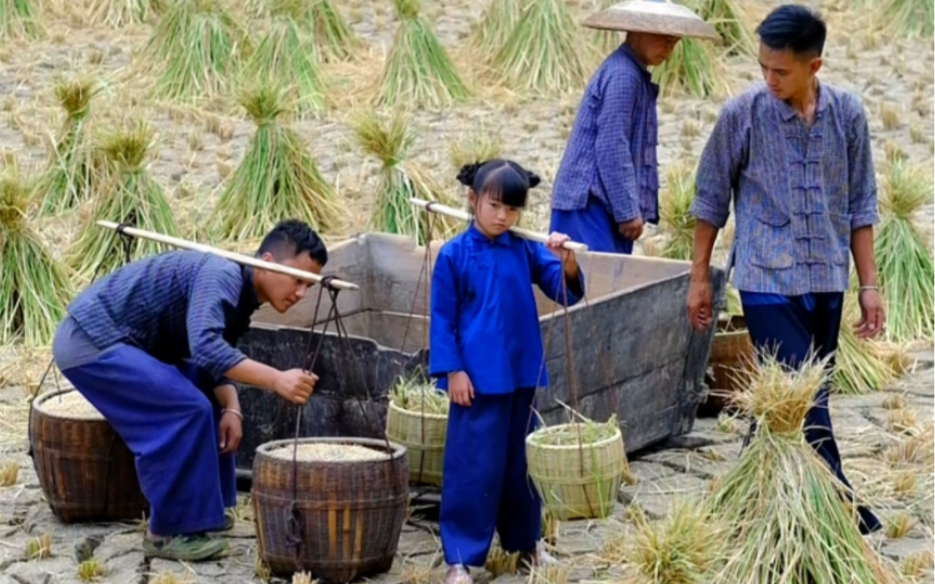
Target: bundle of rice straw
{"points": [[68, 179], [334, 38], [277, 178], [905, 266], [675, 221], [605, 41], [34, 286], [18, 20], [790, 522], [860, 365], [419, 395], [129, 194], [473, 146], [286, 52], [418, 71], [692, 69], [544, 52], [726, 17], [195, 48], [120, 13], [685, 547], [401, 180], [906, 18], [491, 32]]}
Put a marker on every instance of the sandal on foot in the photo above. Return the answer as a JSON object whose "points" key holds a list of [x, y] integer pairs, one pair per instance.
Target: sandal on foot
{"points": [[186, 548], [458, 574]]}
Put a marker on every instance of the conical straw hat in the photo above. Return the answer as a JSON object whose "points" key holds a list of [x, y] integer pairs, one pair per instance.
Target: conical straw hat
{"points": [[652, 16]]}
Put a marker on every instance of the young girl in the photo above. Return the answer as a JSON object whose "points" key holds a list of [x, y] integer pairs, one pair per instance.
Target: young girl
{"points": [[486, 350]]}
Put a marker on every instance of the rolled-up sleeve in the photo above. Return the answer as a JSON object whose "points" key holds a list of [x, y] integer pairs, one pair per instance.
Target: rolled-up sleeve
{"points": [[612, 146], [213, 299], [718, 169], [862, 182]]}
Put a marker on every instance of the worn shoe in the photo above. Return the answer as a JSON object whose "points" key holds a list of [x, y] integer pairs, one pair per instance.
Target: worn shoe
{"points": [[458, 574], [186, 548]]}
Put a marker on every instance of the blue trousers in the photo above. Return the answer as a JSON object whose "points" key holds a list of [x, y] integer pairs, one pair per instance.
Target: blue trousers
{"points": [[485, 486], [593, 226], [792, 326], [170, 425]]}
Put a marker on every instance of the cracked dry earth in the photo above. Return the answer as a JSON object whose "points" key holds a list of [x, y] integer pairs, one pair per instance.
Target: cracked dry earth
{"points": [[866, 427]]}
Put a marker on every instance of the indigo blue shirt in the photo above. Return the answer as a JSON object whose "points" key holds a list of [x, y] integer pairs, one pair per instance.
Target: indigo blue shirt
{"points": [[484, 319], [798, 192], [177, 306], [611, 153]]}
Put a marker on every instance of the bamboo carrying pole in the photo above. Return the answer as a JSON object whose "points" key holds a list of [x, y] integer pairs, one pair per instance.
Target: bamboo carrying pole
{"points": [[524, 233], [237, 257]]}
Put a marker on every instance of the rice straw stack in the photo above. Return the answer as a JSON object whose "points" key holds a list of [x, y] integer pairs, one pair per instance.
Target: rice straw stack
{"points": [[334, 38], [907, 18], [34, 286], [196, 47], [418, 71], [277, 178], [693, 69], [605, 41], [287, 52], [490, 33], [18, 20], [120, 13], [129, 194], [400, 180], [676, 222], [67, 181], [861, 365], [905, 266], [543, 54], [725, 17], [789, 520]]}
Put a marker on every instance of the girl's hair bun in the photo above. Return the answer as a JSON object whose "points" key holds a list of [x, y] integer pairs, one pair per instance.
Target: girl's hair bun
{"points": [[534, 179], [468, 173]]}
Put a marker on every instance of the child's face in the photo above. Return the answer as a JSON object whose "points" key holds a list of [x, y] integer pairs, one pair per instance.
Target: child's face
{"points": [[493, 218]]}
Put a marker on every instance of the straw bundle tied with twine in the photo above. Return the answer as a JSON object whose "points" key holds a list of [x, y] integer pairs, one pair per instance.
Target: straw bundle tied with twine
{"points": [[277, 178], [19, 20], [543, 53], [129, 194], [418, 71], [491, 32], [789, 521], [693, 69], [120, 13], [195, 48], [34, 286], [328, 31], [401, 180], [675, 220], [287, 52], [67, 181], [906, 269]]}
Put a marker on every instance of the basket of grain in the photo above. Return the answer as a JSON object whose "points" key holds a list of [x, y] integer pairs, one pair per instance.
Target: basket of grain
{"points": [[417, 418], [336, 509], [577, 467], [85, 469]]}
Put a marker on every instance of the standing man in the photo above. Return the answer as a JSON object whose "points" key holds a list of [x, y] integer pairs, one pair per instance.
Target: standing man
{"points": [[152, 347], [607, 185], [795, 154]]}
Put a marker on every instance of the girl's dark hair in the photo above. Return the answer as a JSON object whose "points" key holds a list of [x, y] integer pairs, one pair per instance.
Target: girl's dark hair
{"points": [[503, 180]]}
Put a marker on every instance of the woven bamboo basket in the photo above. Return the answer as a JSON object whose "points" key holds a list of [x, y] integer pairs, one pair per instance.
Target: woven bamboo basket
{"points": [[423, 435], [85, 469], [577, 481], [731, 352], [349, 513]]}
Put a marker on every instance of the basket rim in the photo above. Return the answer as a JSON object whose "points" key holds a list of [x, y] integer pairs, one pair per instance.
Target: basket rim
{"points": [[43, 397], [411, 413], [399, 450], [606, 441]]}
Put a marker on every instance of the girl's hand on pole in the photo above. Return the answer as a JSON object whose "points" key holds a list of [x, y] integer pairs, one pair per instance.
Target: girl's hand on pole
{"points": [[460, 389], [555, 242]]}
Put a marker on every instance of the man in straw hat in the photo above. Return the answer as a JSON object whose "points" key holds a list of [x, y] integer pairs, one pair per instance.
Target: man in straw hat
{"points": [[152, 347], [795, 154], [607, 184]]}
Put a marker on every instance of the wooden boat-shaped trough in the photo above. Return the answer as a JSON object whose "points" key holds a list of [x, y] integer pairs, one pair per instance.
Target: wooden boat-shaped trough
{"points": [[634, 352]]}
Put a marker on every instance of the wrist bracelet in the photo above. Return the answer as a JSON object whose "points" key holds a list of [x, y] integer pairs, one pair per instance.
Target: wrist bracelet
{"points": [[235, 412]]}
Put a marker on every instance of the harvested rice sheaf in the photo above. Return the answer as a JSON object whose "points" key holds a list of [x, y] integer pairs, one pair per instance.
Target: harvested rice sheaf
{"points": [[120, 13], [128, 194], [789, 521], [693, 69], [34, 286], [417, 395], [727, 19], [906, 18], [861, 365], [19, 19], [277, 178], [675, 220], [491, 32]]}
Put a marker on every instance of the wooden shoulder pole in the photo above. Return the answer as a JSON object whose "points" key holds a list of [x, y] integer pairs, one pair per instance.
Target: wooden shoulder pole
{"points": [[234, 256]]}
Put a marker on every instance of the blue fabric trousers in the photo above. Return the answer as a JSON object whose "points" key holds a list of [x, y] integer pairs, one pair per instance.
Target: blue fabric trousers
{"points": [[792, 326], [170, 425], [485, 486], [593, 226]]}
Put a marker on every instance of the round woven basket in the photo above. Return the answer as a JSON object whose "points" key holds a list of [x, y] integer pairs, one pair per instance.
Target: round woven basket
{"points": [[349, 514], [423, 435], [85, 469], [731, 352], [577, 481]]}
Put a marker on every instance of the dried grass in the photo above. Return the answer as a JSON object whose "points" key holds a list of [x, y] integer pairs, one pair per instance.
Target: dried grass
{"points": [[861, 366], [303, 578], [9, 473], [19, 19], [90, 570], [39, 548], [727, 17], [333, 39], [418, 395], [899, 526], [489, 34], [906, 18], [122, 13], [693, 69], [916, 564], [675, 220]]}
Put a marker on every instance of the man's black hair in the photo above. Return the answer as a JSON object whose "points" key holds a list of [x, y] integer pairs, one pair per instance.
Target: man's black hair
{"points": [[795, 28], [292, 237]]}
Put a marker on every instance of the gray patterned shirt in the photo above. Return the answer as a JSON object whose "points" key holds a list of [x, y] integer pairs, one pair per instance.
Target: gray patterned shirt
{"points": [[798, 192]]}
